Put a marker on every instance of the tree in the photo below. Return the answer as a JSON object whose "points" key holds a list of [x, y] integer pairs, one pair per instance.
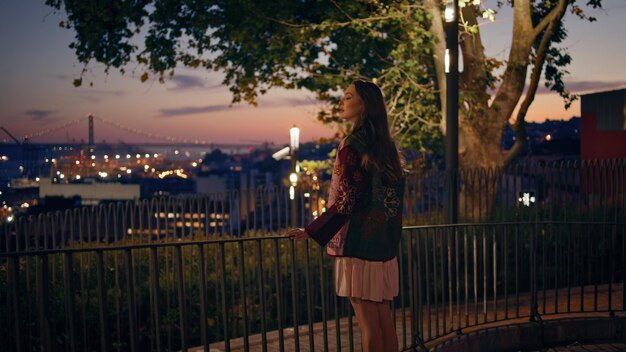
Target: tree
{"points": [[321, 45]]}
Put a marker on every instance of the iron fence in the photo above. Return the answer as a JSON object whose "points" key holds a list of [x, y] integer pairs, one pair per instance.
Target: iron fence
{"points": [[172, 273], [256, 292]]}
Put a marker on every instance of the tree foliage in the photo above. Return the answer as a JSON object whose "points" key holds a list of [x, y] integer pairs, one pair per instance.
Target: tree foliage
{"points": [[322, 45]]}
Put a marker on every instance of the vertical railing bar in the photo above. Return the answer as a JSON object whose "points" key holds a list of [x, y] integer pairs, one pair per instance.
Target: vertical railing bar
{"points": [[568, 271], [262, 296], [154, 286], [505, 254], [279, 300], [14, 264], [130, 297], [295, 304], [225, 317], [323, 298], [466, 277], [436, 280], [419, 326], [102, 304], [182, 312], [475, 276], [43, 294], [442, 272], [449, 240], [457, 266], [557, 259], [244, 296], [337, 326], [517, 259], [485, 254], [428, 308], [544, 258], [495, 273], [68, 269], [309, 303]]}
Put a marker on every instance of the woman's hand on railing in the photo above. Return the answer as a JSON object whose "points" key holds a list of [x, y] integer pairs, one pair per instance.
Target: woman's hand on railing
{"points": [[299, 234]]}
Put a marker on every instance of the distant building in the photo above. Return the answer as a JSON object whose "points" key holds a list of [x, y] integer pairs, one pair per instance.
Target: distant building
{"points": [[89, 193], [603, 130]]}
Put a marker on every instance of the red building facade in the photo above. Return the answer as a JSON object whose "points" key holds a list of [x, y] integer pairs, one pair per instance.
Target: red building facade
{"points": [[603, 125]]}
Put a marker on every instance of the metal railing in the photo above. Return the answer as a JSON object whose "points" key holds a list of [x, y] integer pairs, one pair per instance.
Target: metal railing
{"points": [[257, 291], [177, 272]]}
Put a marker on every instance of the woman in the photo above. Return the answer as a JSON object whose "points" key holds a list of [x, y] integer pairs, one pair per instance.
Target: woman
{"points": [[363, 224]]}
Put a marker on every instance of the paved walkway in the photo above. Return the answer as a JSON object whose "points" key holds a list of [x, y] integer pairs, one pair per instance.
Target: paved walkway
{"points": [[339, 339], [600, 347]]}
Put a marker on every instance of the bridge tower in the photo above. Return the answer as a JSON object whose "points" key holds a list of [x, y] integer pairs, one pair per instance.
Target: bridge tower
{"points": [[90, 117]]}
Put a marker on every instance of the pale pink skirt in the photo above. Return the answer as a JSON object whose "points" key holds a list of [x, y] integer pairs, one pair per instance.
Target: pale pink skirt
{"points": [[364, 279]]}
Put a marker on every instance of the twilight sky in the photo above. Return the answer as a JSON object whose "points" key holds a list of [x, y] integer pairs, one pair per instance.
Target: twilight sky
{"points": [[37, 69]]}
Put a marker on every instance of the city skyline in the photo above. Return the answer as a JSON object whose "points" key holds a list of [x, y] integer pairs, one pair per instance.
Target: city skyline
{"points": [[38, 69]]}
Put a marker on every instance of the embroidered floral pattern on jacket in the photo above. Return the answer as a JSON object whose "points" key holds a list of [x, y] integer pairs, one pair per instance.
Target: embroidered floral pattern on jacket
{"points": [[391, 202], [346, 196]]}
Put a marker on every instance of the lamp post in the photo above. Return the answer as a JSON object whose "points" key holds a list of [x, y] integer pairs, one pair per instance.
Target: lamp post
{"points": [[294, 144], [451, 204]]}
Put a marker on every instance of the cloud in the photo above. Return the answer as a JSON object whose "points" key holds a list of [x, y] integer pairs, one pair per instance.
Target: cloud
{"points": [[38, 115], [94, 95], [187, 82], [190, 110], [287, 102], [585, 86]]}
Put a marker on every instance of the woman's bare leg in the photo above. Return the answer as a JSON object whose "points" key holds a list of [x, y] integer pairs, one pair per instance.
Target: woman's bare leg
{"points": [[369, 324], [390, 336]]}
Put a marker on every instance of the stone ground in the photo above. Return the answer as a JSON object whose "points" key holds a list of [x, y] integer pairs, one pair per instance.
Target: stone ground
{"points": [[489, 316]]}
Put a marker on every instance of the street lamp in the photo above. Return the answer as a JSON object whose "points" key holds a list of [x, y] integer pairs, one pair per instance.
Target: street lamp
{"points": [[451, 17], [294, 144]]}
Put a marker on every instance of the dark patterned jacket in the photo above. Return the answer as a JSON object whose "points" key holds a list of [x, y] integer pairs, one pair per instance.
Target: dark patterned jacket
{"points": [[364, 217]]}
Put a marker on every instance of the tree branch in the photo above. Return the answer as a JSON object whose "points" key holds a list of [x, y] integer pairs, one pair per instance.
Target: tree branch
{"points": [[558, 11], [439, 50], [474, 74], [535, 77], [514, 77]]}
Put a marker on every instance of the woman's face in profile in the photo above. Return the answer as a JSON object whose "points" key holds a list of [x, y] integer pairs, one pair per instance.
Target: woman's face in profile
{"points": [[350, 105]]}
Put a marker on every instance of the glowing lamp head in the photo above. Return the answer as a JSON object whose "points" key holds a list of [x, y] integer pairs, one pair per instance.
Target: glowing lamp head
{"points": [[294, 134]]}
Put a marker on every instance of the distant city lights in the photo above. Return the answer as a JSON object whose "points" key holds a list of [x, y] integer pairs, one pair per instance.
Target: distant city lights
{"points": [[106, 156], [548, 138], [137, 156], [147, 155], [117, 156], [78, 177], [103, 174], [178, 172], [93, 157], [194, 164], [77, 162], [128, 171], [127, 156]]}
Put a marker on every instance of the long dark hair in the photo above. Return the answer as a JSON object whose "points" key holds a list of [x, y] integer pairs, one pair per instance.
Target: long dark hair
{"points": [[373, 128]]}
